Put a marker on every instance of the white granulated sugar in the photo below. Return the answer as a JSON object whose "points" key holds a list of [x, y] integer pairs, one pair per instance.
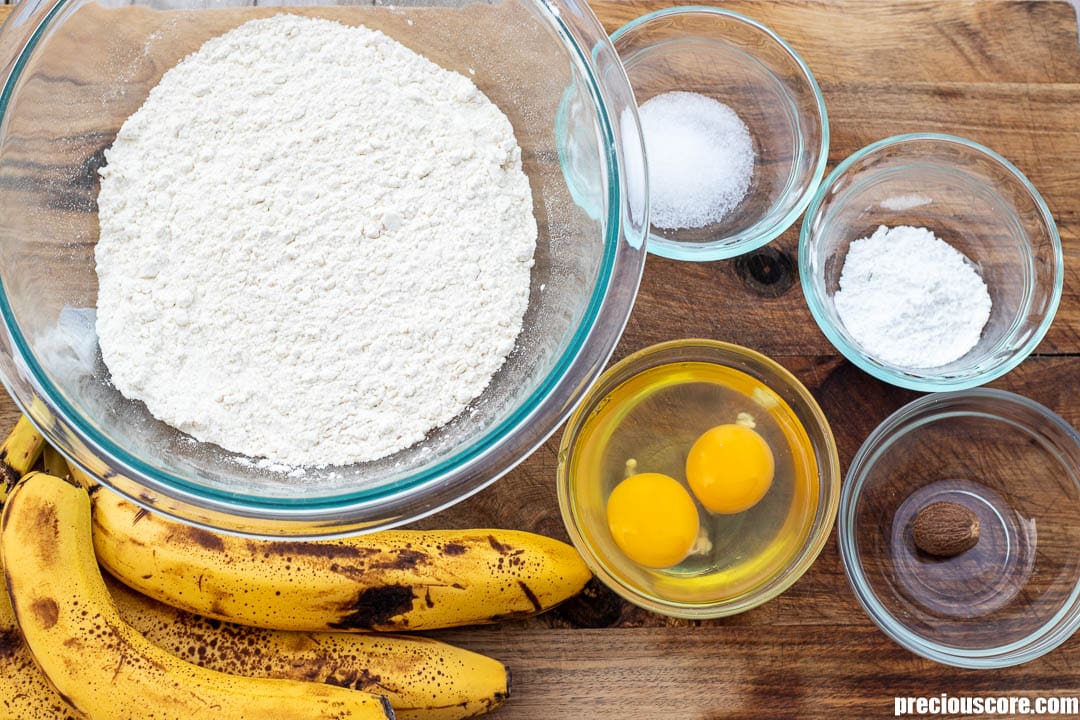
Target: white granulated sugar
{"points": [[700, 156], [910, 299], [315, 244]]}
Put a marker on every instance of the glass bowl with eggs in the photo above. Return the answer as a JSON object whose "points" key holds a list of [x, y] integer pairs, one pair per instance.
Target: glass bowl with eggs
{"points": [[280, 127], [698, 478]]}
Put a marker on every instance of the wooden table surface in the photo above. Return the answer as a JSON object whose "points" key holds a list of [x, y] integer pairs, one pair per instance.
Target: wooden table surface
{"points": [[1001, 72]]}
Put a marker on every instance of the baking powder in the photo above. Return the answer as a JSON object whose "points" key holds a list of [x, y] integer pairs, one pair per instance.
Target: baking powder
{"points": [[910, 299]]}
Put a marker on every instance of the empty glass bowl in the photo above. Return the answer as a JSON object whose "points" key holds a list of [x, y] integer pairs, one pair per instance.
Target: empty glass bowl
{"points": [[76, 69], [1013, 463], [749, 68], [968, 196], [643, 416]]}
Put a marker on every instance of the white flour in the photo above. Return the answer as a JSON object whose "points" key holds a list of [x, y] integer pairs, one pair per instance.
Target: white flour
{"points": [[910, 299], [315, 244]]}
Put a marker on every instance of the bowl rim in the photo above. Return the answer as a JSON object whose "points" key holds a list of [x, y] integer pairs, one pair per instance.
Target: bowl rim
{"points": [[301, 515], [1049, 636], [753, 237], [812, 546], [911, 379]]}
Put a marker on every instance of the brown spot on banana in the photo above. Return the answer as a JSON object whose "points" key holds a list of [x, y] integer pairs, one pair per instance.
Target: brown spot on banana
{"points": [[361, 680], [405, 560], [498, 698], [329, 551], [10, 642], [8, 477], [46, 611], [531, 596], [45, 519], [375, 606], [454, 549], [68, 707], [205, 539], [498, 546]]}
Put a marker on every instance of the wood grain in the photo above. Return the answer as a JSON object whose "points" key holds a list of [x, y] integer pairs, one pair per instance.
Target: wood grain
{"points": [[737, 673], [909, 40], [1003, 72]]}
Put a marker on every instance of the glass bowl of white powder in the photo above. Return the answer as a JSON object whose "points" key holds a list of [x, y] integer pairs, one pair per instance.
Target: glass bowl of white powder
{"points": [[311, 270], [735, 129], [931, 262]]}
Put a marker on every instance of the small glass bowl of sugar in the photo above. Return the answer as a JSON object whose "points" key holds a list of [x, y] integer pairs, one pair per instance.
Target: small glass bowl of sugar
{"points": [[735, 130], [931, 262]]}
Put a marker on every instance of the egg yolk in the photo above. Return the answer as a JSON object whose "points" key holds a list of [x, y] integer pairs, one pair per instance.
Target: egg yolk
{"points": [[730, 468], [653, 519]]}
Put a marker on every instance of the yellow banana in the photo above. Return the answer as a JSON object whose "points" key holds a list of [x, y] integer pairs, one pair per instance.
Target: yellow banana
{"points": [[98, 663], [24, 691], [18, 453], [393, 580], [423, 679]]}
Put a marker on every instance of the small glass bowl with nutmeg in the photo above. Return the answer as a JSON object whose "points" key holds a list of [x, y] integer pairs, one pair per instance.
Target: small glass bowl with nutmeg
{"points": [[959, 528]]}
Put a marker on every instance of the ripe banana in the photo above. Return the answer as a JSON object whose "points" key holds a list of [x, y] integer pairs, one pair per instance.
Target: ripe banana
{"points": [[423, 679], [98, 663], [24, 691], [393, 580], [18, 453]]}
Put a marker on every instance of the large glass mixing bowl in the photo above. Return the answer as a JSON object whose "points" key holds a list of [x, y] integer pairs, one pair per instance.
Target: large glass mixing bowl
{"points": [[76, 69]]}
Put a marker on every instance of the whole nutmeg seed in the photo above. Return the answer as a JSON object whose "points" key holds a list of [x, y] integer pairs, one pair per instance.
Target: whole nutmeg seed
{"points": [[945, 529]]}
